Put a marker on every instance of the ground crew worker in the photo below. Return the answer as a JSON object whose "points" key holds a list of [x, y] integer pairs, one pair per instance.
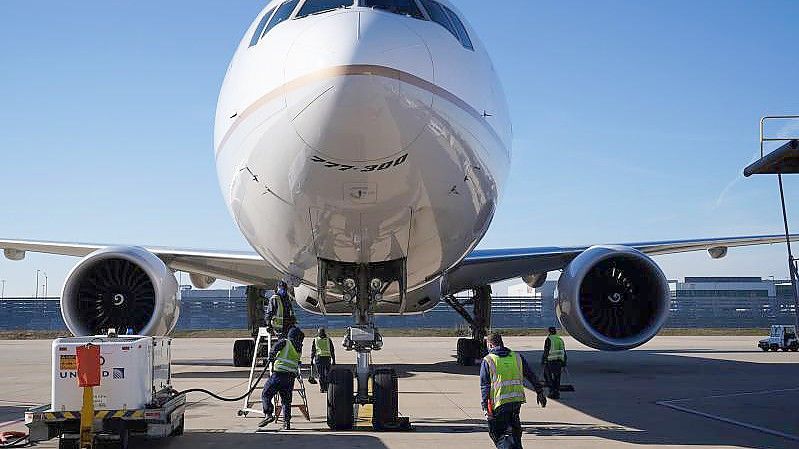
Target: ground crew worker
{"points": [[279, 311], [323, 357], [285, 360], [554, 359], [502, 376]]}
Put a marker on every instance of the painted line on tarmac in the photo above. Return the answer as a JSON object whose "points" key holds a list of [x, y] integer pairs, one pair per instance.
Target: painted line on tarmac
{"points": [[10, 423], [671, 404], [730, 395]]}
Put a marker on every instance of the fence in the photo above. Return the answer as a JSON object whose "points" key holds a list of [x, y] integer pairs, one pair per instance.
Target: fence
{"points": [[219, 310]]}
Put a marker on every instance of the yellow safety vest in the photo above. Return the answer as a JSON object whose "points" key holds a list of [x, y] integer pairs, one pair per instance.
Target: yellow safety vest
{"points": [[557, 349], [322, 346], [287, 360], [507, 379], [279, 317]]}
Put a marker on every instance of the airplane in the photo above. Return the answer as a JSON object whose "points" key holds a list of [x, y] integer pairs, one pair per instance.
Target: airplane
{"points": [[362, 147]]}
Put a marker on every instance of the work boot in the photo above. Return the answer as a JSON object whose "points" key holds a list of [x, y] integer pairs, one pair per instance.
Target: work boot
{"points": [[269, 419]]}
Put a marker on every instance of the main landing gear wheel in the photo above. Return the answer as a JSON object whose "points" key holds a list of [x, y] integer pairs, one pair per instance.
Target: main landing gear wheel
{"points": [[468, 351], [340, 400], [243, 352], [68, 443], [385, 412]]}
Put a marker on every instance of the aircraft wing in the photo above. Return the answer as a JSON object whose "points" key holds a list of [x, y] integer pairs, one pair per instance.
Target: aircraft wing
{"points": [[478, 268], [237, 266], [485, 266]]}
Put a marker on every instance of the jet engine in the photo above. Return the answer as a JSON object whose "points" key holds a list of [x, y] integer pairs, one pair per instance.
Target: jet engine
{"points": [[612, 298], [120, 288]]}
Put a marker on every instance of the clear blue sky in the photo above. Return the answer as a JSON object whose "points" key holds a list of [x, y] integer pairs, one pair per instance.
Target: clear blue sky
{"points": [[632, 122]]}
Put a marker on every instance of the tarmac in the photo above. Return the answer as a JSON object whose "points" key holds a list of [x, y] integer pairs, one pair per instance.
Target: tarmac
{"points": [[673, 392]]}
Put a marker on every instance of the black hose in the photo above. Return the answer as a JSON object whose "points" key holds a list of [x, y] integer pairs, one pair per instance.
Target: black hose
{"points": [[216, 396], [19, 442]]}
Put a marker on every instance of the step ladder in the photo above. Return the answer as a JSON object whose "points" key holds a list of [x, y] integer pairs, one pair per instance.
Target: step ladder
{"points": [[263, 346]]}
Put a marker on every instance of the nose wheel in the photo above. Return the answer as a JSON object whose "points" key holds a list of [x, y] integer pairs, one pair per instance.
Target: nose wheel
{"points": [[342, 406], [385, 399], [340, 400], [349, 391]]}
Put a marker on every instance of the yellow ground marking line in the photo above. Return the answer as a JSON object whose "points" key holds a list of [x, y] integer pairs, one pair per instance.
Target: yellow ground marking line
{"points": [[365, 412]]}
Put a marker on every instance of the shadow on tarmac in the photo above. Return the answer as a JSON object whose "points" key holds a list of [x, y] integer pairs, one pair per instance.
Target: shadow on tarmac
{"points": [[618, 389], [203, 362], [622, 388], [12, 412], [201, 440], [211, 375]]}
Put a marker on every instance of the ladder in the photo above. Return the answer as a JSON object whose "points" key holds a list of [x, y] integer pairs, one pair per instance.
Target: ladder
{"points": [[263, 346]]}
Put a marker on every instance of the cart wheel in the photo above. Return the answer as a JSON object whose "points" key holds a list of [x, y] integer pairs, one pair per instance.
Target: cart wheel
{"points": [[178, 431], [124, 439], [68, 443], [121, 443], [764, 348]]}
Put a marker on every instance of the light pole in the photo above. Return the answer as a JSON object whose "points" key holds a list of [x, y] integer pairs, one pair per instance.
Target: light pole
{"points": [[36, 291], [45, 283], [2, 289]]}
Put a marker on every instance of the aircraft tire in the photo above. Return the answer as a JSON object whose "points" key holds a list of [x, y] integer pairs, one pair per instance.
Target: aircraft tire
{"points": [[468, 351], [386, 397], [243, 351], [340, 399]]}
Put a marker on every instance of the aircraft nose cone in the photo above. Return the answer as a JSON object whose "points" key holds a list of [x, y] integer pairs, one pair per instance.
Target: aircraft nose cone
{"points": [[354, 85]]}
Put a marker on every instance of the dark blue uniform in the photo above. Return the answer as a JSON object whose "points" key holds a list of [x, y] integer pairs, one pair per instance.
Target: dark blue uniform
{"points": [[279, 382]]}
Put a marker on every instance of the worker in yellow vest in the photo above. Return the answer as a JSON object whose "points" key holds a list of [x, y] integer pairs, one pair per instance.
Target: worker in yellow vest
{"points": [[502, 376], [323, 356], [279, 311], [285, 360], [553, 360]]}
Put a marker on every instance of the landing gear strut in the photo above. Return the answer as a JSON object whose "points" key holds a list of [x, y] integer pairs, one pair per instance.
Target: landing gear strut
{"points": [[471, 349], [244, 348]]}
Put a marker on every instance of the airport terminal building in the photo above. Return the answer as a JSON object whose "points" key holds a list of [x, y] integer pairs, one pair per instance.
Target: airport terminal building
{"points": [[707, 302]]}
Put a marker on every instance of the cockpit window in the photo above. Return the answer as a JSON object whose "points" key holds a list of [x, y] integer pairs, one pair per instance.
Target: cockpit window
{"points": [[460, 28], [403, 7], [440, 16], [259, 30], [320, 6], [282, 13], [449, 20]]}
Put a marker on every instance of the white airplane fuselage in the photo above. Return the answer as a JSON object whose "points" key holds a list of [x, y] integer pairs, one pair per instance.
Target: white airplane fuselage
{"points": [[362, 136]]}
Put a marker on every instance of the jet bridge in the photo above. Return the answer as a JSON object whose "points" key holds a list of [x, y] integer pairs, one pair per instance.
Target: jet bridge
{"points": [[782, 161]]}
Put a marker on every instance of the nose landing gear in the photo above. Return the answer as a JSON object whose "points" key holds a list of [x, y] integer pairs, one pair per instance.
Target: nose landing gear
{"points": [[349, 391]]}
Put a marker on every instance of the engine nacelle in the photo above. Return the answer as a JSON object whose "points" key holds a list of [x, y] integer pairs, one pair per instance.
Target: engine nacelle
{"points": [[120, 288], [612, 298]]}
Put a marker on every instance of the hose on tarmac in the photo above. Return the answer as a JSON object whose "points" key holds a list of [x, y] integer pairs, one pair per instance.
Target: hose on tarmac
{"points": [[224, 399], [10, 440]]}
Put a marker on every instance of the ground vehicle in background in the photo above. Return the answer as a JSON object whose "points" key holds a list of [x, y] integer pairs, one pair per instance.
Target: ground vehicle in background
{"points": [[781, 337]]}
